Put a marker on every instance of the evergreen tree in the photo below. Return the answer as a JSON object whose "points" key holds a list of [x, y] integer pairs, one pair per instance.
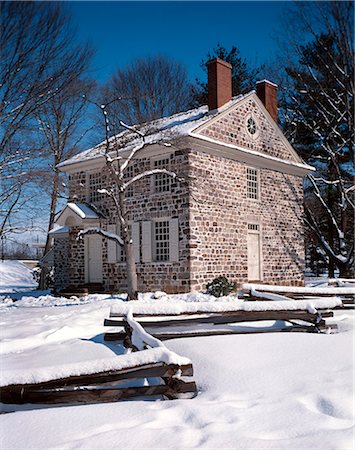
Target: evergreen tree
{"points": [[319, 120], [243, 77]]}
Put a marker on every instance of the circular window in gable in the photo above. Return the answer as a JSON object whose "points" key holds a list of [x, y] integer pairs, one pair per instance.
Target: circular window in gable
{"points": [[252, 126]]}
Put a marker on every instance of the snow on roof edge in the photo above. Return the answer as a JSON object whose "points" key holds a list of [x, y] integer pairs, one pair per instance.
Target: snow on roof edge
{"points": [[201, 111], [82, 210], [254, 152], [195, 121]]}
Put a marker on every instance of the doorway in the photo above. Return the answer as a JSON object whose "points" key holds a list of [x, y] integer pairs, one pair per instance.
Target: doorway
{"points": [[254, 252], [93, 259]]}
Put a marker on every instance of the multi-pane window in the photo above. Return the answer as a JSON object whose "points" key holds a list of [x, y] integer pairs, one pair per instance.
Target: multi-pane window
{"points": [[253, 227], [252, 184], [161, 180], [95, 183], [251, 126], [161, 238]]}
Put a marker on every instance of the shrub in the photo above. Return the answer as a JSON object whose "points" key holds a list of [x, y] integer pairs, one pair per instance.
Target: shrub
{"points": [[220, 286]]}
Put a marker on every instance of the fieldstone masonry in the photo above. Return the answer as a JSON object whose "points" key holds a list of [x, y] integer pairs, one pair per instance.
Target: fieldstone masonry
{"points": [[213, 212], [61, 262], [220, 212], [231, 129]]}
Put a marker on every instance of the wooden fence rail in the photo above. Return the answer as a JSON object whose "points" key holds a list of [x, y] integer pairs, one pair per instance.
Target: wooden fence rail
{"points": [[102, 387], [110, 386], [191, 325], [346, 294]]}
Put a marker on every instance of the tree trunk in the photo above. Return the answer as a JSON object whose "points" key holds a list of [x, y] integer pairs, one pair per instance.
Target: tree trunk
{"points": [[132, 287], [54, 198]]}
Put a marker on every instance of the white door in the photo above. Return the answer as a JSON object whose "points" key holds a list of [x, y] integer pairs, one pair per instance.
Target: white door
{"points": [[254, 253], [94, 259]]}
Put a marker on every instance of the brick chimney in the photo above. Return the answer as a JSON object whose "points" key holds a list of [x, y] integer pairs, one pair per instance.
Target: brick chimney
{"points": [[219, 83], [267, 92]]}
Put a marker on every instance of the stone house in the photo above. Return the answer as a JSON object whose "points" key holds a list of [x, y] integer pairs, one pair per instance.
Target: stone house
{"points": [[238, 211]]}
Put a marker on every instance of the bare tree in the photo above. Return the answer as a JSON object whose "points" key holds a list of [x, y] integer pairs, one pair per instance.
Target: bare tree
{"points": [[117, 163], [63, 125], [38, 60], [318, 118], [149, 89]]}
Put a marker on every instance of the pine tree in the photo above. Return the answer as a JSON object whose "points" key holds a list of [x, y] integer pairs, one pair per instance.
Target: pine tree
{"points": [[243, 77], [319, 120]]}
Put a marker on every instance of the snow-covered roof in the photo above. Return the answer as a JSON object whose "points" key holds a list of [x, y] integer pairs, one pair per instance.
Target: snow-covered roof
{"points": [[82, 210], [58, 230], [160, 130]]}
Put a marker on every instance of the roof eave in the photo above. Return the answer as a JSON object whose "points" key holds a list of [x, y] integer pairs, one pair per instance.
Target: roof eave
{"points": [[248, 156]]}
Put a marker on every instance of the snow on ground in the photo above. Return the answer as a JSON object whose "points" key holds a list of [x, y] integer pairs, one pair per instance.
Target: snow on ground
{"points": [[260, 391], [278, 391], [15, 276]]}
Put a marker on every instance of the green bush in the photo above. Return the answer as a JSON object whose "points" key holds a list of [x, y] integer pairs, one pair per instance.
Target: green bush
{"points": [[220, 286]]}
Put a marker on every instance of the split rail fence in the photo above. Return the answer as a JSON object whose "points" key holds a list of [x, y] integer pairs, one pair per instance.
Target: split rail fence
{"points": [[346, 294], [192, 324], [163, 378]]}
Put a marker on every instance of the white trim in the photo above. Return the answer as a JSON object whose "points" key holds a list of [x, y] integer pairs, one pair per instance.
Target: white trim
{"points": [[135, 233], [250, 115], [73, 208], [174, 240], [98, 161], [303, 166], [98, 275], [259, 233], [146, 241], [195, 132], [59, 231], [154, 243], [267, 81]]}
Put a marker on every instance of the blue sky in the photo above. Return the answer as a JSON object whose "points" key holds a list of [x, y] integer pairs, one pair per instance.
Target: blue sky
{"points": [[186, 31]]}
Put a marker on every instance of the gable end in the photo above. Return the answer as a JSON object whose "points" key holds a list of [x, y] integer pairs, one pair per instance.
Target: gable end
{"points": [[231, 128]]}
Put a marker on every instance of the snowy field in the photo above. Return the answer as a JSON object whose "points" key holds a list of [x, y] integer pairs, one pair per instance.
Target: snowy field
{"points": [[261, 391], [15, 277]]}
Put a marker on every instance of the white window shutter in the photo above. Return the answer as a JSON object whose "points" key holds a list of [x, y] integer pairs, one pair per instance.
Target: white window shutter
{"points": [[135, 240], [111, 246], [174, 240], [146, 241]]}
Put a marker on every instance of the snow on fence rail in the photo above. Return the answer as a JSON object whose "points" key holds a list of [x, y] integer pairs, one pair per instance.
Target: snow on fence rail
{"points": [[300, 290], [269, 292], [165, 322], [176, 307], [341, 282], [104, 380]]}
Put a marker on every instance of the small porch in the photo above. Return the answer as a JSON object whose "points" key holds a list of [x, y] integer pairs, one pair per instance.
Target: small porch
{"points": [[78, 263]]}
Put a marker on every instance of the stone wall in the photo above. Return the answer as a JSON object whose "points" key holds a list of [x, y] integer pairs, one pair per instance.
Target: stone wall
{"points": [[76, 258], [213, 212], [231, 129], [143, 205], [220, 212], [61, 262]]}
